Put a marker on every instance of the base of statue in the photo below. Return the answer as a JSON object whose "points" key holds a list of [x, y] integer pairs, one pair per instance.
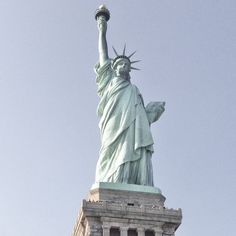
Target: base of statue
{"points": [[126, 209], [131, 194]]}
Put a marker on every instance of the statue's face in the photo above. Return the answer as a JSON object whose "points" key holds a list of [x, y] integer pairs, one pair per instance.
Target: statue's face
{"points": [[122, 67]]}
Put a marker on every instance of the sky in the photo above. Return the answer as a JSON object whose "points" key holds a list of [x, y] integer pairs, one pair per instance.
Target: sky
{"points": [[49, 135]]}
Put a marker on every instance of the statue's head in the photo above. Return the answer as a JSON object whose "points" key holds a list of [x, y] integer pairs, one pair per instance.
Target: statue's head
{"points": [[122, 64]]}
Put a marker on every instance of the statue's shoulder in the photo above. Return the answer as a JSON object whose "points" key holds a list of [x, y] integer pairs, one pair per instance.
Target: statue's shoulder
{"points": [[100, 69], [136, 88]]}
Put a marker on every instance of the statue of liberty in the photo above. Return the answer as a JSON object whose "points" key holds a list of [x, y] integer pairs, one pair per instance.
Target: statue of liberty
{"points": [[126, 139]]}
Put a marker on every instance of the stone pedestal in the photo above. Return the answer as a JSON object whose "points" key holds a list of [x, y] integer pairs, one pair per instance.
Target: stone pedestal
{"points": [[126, 210]]}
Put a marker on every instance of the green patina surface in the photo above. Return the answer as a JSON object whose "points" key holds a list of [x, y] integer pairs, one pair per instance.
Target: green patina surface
{"points": [[126, 139]]}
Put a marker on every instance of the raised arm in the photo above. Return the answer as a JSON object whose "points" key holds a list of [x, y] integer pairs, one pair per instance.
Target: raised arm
{"points": [[102, 42]]}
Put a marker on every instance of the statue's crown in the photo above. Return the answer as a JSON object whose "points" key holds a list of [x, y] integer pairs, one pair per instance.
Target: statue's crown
{"points": [[123, 56]]}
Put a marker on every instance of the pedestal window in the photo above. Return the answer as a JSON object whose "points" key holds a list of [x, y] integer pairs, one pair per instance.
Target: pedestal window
{"points": [[132, 232], [114, 232], [149, 233]]}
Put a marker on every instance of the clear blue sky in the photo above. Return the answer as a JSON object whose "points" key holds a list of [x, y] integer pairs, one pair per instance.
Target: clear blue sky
{"points": [[49, 136]]}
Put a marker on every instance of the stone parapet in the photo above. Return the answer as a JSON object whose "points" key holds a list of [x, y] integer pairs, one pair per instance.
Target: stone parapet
{"points": [[130, 194], [123, 210]]}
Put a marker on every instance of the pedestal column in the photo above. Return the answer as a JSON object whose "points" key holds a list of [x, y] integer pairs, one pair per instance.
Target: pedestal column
{"points": [[106, 230], [123, 231], [158, 232], [141, 232]]}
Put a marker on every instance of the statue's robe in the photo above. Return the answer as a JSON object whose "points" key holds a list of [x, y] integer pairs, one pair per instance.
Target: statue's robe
{"points": [[126, 140]]}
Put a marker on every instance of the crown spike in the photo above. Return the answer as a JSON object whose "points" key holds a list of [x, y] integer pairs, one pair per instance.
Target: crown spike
{"points": [[133, 68], [135, 61], [124, 49], [131, 54], [115, 51]]}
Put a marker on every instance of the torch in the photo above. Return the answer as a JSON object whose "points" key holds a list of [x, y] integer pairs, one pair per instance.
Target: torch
{"points": [[102, 11]]}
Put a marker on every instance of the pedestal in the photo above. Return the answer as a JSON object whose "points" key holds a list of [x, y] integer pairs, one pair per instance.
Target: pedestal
{"points": [[126, 210]]}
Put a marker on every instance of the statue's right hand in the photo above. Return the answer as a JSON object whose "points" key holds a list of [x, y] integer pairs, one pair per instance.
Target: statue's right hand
{"points": [[102, 24]]}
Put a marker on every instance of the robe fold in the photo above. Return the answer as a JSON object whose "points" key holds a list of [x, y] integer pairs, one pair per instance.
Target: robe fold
{"points": [[126, 140]]}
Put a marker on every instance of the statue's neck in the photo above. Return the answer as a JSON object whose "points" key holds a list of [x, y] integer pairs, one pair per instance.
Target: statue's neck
{"points": [[125, 77]]}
